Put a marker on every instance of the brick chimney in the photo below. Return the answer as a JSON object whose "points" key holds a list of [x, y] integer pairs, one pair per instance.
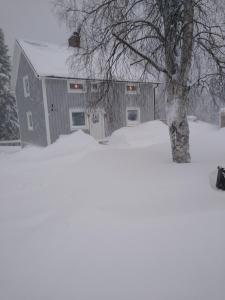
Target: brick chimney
{"points": [[74, 40]]}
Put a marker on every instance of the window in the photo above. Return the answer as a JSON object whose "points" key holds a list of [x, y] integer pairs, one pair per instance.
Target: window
{"points": [[94, 87], [29, 121], [26, 86], [133, 116], [132, 89], [75, 86], [78, 119]]}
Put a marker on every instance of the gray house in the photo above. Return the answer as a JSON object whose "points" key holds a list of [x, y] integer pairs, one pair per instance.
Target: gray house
{"points": [[52, 100]]}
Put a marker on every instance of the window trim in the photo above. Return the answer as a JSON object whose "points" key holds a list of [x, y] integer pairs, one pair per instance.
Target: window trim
{"points": [[132, 92], [26, 94], [29, 126], [74, 110], [69, 90], [138, 121]]}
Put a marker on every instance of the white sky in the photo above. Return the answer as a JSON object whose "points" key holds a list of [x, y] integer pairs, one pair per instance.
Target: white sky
{"points": [[30, 19]]}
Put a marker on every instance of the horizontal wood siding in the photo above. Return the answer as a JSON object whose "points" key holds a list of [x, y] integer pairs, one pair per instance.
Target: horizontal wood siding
{"points": [[33, 103]]}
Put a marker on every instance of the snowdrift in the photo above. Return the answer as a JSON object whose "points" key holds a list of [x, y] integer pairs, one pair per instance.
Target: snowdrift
{"points": [[143, 135], [76, 144], [79, 220]]}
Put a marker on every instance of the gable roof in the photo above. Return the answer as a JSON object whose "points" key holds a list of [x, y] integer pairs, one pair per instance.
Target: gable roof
{"points": [[50, 60]]}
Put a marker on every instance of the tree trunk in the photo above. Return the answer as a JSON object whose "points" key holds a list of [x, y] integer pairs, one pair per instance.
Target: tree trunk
{"points": [[179, 137], [177, 99], [178, 63]]}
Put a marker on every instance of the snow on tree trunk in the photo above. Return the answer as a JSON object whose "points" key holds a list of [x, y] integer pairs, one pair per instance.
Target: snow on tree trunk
{"points": [[178, 63], [176, 109]]}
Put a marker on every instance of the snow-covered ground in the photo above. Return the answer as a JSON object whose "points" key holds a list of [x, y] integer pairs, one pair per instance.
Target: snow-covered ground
{"points": [[79, 220]]}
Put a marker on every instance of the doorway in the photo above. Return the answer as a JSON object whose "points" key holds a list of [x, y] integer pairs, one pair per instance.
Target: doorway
{"points": [[97, 124]]}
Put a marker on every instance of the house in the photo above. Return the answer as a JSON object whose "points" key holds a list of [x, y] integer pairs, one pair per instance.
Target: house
{"points": [[53, 100]]}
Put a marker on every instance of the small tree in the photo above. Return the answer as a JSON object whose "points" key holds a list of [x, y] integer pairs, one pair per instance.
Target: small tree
{"points": [[161, 36], [8, 115]]}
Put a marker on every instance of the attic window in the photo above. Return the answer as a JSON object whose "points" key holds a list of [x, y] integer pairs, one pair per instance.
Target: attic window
{"points": [[76, 87], [132, 88], [26, 86]]}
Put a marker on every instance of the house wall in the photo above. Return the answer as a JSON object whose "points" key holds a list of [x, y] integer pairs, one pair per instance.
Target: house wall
{"points": [[60, 102], [33, 103], [160, 105], [118, 102]]}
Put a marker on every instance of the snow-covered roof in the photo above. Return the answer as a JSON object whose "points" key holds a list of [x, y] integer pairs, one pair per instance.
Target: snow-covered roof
{"points": [[51, 60]]}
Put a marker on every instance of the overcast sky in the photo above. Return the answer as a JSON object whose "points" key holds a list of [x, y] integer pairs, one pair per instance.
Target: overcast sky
{"points": [[30, 19]]}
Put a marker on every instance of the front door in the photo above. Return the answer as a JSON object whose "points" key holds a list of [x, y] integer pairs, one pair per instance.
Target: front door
{"points": [[96, 122]]}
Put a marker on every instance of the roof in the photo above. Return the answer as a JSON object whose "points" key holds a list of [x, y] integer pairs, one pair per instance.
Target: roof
{"points": [[51, 60]]}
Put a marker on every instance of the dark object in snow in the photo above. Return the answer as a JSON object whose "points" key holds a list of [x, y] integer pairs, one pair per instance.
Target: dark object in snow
{"points": [[220, 182]]}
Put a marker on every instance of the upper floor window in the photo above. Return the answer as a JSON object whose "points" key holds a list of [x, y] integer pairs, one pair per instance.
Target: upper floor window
{"points": [[94, 87], [75, 86], [26, 86], [30, 121], [132, 88]]}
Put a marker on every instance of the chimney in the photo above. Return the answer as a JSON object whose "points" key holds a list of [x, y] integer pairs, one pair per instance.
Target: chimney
{"points": [[74, 40]]}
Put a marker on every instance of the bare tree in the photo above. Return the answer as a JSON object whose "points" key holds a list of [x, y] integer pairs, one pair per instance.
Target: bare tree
{"points": [[160, 36]]}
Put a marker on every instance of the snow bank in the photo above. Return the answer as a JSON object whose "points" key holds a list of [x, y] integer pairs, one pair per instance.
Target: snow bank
{"points": [[5, 150], [76, 144], [198, 128], [143, 135], [124, 223], [72, 144], [153, 133]]}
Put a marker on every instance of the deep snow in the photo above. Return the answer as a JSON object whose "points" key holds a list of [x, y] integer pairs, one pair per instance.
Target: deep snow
{"points": [[79, 220]]}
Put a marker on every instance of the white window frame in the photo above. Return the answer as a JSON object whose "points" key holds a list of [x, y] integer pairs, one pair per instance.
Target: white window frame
{"points": [[74, 110], [133, 123], [98, 85], [29, 126], [26, 93], [132, 92], [76, 82]]}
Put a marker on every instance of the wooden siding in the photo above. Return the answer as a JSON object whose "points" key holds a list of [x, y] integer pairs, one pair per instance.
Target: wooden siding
{"points": [[117, 102], [33, 103], [160, 104], [60, 102]]}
